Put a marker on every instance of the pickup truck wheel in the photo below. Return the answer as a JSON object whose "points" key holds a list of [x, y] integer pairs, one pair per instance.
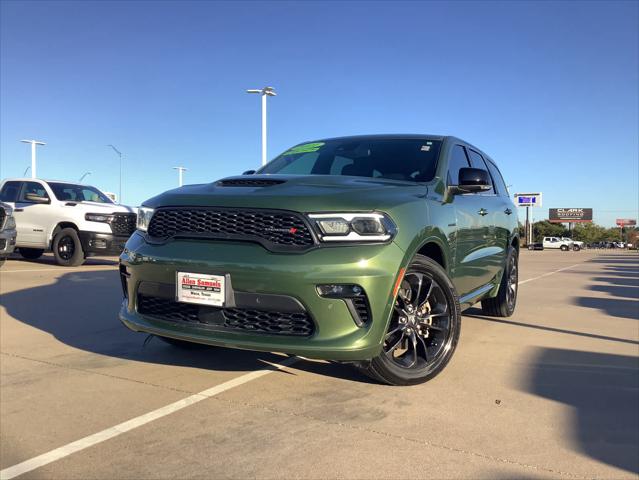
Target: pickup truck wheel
{"points": [[67, 248], [576, 248], [503, 305], [31, 253], [423, 330], [564, 248]]}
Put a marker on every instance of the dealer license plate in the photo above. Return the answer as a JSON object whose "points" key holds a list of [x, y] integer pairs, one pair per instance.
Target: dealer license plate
{"points": [[200, 288]]}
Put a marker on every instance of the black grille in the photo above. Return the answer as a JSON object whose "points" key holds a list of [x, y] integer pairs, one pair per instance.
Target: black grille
{"points": [[361, 307], [3, 243], [241, 182], [248, 320], [123, 223], [2, 217], [278, 229]]}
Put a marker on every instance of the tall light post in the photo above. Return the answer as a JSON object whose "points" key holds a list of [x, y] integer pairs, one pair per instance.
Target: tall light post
{"points": [[33, 154], [85, 174], [25, 172], [180, 170], [265, 92], [119, 155]]}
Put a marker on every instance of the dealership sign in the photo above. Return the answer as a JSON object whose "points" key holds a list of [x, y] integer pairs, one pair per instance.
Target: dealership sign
{"points": [[528, 199], [626, 222], [570, 215]]}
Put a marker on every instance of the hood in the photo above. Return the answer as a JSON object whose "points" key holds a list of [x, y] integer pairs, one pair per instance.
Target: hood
{"points": [[303, 193], [98, 207]]}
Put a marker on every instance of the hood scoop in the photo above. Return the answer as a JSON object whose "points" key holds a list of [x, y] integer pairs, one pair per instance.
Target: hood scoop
{"points": [[249, 182]]}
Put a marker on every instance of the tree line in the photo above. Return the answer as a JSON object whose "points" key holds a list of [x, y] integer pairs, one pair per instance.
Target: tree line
{"points": [[584, 232]]}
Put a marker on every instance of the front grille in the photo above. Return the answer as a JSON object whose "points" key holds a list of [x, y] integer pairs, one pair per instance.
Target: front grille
{"points": [[242, 182], [275, 229], [297, 324], [3, 217], [3, 243], [123, 223]]}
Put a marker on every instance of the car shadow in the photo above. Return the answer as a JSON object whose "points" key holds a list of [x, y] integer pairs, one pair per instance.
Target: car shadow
{"points": [[48, 259], [603, 390], [81, 312]]}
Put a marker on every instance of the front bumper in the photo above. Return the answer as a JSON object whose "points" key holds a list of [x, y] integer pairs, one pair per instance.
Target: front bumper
{"points": [[257, 273], [94, 243], [7, 242]]}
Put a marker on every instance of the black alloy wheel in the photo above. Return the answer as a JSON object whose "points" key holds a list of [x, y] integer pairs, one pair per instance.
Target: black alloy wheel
{"points": [[423, 330], [503, 305], [67, 248]]}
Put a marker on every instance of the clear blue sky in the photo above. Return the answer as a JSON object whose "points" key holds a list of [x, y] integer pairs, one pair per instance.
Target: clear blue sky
{"points": [[549, 90]]}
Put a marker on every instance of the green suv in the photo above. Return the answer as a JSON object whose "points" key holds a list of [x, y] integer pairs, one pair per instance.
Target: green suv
{"points": [[361, 249]]}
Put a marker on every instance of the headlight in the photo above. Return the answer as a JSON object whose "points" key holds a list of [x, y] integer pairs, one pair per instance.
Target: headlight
{"points": [[10, 225], [97, 217], [353, 227], [144, 218]]}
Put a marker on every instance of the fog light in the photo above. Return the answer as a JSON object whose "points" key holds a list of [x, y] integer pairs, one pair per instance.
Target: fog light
{"points": [[99, 243], [339, 291]]}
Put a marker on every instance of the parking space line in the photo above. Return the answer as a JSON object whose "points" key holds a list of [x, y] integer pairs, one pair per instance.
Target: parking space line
{"points": [[99, 437], [548, 274]]}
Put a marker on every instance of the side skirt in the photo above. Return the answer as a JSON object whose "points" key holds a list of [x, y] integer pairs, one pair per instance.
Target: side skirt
{"points": [[473, 297]]}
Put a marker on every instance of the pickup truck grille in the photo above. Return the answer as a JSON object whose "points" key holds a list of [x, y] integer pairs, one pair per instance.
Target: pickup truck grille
{"points": [[123, 223], [269, 322], [275, 229], [3, 217]]}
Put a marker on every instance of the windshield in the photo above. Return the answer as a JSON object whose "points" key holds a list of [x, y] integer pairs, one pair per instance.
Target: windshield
{"points": [[411, 159], [68, 192]]}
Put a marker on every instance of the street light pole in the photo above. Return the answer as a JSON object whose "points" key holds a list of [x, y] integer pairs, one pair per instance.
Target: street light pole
{"points": [[265, 92], [119, 155], [33, 154], [180, 170], [82, 177]]}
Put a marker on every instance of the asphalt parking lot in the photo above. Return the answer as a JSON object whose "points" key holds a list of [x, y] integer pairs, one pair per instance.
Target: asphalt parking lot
{"points": [[551, 392]]}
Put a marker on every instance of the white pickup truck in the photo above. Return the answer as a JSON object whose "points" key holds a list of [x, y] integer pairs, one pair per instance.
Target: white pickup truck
{"points": [[74, 221], [576, 244], [557, 242]]}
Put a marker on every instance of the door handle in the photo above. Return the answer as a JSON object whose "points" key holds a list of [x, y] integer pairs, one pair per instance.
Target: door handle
{"points": [[18, 210], [508, 211], [483, 211]]}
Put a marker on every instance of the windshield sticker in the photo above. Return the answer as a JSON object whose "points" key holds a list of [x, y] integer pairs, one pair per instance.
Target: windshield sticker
{"points": [[305, 148], [425, 148]]}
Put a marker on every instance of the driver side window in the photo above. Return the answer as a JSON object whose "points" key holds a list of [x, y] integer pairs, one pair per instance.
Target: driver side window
{"points": [[457, 159], [33, 188]]}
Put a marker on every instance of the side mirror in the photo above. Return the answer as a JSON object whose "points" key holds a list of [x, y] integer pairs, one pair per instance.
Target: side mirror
{"points": [[473, 180], [248, 172], [35, 198]]}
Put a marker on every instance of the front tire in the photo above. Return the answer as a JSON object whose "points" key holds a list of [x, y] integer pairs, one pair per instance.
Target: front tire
{"points": [[503, 305], [424, 328], [576, 248], [31, 253], [564, 248], [67, 248]]}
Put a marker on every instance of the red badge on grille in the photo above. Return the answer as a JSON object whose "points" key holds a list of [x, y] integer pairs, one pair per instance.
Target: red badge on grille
{"points": [[292, 230]]}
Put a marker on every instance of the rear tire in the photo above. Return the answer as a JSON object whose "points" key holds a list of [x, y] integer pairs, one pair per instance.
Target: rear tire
{"points": [[423, 330], [576, 248], [503, 305], [67, 248], [31, 253], [564, 248]]}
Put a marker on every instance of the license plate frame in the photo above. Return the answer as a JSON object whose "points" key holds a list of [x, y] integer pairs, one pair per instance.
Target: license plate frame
{"points": [[201, 288]]}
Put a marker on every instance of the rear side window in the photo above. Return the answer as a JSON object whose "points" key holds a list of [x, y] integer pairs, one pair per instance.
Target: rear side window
{"points": [[498, 180], [34, 188], [477, 161], [457, 160], [9, 192]]}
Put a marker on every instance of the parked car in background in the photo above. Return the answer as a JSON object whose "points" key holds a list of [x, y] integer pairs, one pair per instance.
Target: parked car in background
{"points": [[362, 249], [557, 243], [74, 221], [536, 246], [576, 245], [7, 232]]}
